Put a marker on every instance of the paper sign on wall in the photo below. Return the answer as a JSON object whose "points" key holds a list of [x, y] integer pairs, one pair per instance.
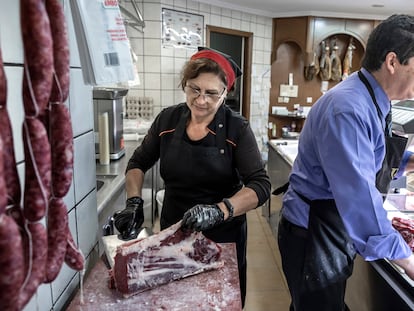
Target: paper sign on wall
{"points": [[102, 40], [182, 29]]}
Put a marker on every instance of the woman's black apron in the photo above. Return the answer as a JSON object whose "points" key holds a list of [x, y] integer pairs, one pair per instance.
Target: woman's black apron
{"points": [[330, 252], [210, 177]]}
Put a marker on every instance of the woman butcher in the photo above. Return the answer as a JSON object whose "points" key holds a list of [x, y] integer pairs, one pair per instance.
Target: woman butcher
{"points": [[209, 160]]}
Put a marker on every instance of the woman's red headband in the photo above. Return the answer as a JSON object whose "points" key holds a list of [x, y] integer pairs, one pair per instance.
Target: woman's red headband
{"points": [[221, 61]]}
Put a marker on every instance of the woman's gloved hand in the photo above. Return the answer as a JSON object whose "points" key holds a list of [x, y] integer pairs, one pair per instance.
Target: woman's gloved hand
{"points": [[202, 217], [129, 220]]}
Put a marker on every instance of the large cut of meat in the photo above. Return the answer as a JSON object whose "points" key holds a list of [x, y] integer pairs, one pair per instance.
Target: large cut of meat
{"points": [[170, 255], [406, 228]]}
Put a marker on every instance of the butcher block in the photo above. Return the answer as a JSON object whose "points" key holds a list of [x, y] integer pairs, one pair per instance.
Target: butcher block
{"points": [[212, 290]]}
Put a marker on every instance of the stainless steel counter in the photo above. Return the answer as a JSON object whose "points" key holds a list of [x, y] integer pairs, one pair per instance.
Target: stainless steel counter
{"points": [[113, 176]]}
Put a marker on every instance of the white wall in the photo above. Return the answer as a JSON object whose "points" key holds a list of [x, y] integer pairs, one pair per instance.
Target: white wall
{"points": [[81, 198], [159, 68]]}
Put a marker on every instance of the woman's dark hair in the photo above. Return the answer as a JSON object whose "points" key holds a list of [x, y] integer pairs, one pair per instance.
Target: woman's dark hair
{"points": [[394, 34], [193, 68]]}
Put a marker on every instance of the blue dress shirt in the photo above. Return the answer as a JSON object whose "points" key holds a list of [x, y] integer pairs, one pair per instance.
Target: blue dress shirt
{"points": [[341, 148]]}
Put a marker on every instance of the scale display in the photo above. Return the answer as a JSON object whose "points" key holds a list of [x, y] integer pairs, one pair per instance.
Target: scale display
{"points": [[403, 116]]}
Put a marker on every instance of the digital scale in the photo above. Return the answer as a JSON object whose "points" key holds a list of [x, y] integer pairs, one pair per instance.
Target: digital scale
{"points": [[403, 117]]}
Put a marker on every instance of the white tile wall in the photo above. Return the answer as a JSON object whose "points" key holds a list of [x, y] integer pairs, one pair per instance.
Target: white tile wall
{"points": [[82, 209], [87, 223], [84, 168], [73, 44], [149, 44], [10, 32], [152, 11], [80, 99], [15, 107]]}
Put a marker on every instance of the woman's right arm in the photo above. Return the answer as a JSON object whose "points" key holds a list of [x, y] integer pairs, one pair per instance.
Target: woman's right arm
{"points": [[134, 179]]}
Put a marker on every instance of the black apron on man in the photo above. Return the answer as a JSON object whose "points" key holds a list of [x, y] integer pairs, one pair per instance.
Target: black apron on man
{"points": [[209, 177], [394, 146]]}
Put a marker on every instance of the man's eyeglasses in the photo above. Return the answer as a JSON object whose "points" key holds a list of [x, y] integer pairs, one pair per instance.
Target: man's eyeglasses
{"points": [[208, 96]]}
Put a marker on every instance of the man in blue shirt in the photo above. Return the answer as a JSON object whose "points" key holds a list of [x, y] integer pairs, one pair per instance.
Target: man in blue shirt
{"points": [[333, 207]]}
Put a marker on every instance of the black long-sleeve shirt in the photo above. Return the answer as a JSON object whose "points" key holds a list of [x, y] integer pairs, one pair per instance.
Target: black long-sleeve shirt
{"points": [[240, 148]]}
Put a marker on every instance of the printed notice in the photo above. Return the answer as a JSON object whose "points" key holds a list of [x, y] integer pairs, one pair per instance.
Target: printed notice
{"points": [[182, 29]]}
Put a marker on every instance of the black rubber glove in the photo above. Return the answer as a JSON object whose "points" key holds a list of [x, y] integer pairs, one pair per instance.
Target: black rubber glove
{"points": [[129, 221], [202, 217]]}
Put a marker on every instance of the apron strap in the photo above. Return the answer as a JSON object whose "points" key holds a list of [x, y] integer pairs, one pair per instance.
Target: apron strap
{"points": [[388, 118]]}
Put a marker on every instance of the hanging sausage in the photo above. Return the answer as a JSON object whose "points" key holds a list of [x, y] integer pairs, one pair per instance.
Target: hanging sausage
{"points": [[336, 73], [312, 69], [33, 253]]}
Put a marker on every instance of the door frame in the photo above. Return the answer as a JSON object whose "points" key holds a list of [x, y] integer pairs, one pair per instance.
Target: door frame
{"points": [[247, 62]]}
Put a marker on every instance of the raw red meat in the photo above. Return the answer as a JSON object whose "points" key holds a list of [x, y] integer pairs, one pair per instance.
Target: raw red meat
{"points": [[406, 228], [170, 255]]}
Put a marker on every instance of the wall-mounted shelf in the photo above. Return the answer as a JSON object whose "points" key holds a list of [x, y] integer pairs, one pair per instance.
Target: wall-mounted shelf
{"points": [[281, 121]]}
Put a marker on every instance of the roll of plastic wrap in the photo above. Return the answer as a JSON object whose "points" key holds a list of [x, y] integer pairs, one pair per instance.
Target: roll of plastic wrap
{"points": [[104, 158]]}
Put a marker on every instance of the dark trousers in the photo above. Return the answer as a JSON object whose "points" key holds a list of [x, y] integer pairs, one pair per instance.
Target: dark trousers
{"points": [[292, 244]]}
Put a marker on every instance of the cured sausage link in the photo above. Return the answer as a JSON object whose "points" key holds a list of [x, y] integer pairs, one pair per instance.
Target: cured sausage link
{"points": [[74, 257], [38, 56], [60, 88], [36, 262], [61, 137], [38, 169], [11, 250], [3, 190], [57, 223], [11, 263]]}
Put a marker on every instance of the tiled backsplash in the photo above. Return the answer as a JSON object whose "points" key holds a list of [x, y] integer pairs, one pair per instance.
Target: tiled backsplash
{"points": [[159, 67]]}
